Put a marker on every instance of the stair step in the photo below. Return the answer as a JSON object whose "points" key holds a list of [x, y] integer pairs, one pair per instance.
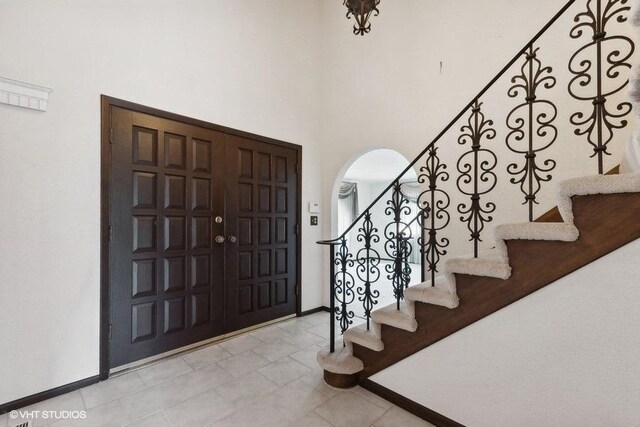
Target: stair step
{"points": [[491, 266], [369, 338], [554, 231], [402, 319], [341, 361], [559, 231], [440, 294], [595, 184], [596, 241]]}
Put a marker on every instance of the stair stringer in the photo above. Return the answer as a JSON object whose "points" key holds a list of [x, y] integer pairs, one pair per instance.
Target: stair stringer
{"points": [[474, 288]]}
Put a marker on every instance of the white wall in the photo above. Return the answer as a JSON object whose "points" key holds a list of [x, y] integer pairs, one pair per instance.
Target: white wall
{"points": [[286, 69], [398, 86], [251, 65], [566, 355]]}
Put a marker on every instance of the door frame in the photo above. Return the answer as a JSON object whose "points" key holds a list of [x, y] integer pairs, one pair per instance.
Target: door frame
{"points": [[106, 102]]}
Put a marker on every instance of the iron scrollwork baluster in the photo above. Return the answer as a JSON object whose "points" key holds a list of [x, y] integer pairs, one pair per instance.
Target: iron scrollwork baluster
{"points": [[332, 300], [611, 57], [368, 261], [344, 283], [433, 203], [476, 173], [406, 250], [397, 246], [531, 122]]}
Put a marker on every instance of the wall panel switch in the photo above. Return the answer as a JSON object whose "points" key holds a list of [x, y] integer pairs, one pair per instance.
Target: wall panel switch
{"points": [[314, 207]]}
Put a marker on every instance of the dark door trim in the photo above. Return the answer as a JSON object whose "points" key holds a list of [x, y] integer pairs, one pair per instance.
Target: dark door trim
{"points": [[105, 216]]}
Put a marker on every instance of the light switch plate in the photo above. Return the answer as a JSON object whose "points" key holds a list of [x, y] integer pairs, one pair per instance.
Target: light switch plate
{"points": [[314, 220], [314, 207]]}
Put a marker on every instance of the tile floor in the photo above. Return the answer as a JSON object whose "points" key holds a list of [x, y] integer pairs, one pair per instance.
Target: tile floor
{"points": [[267, 377]]}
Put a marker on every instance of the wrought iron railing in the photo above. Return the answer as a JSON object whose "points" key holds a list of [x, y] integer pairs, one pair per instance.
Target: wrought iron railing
{"points": [[372, 256]]}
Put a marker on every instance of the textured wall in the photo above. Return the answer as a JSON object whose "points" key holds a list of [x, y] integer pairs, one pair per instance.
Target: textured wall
{"points": [[566, 355], [423, 61], [250, 65], [631, 160]]}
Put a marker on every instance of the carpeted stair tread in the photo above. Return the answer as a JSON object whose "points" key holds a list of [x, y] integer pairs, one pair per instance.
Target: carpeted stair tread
{"points": [[402, 319], [369, 338], [491, 266], [556, 231], [341, 361], [594, 184], [493, 263], [441, 294]]}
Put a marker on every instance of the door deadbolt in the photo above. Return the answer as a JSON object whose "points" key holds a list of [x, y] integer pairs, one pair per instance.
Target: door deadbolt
{"points": [[218, 220], [219, 239]]}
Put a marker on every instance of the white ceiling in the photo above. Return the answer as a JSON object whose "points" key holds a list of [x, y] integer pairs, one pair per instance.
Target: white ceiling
{"points": [[376, 166]]}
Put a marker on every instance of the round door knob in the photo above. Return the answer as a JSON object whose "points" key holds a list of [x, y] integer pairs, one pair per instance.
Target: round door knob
{"points": [[219, 239], [233, 239]]}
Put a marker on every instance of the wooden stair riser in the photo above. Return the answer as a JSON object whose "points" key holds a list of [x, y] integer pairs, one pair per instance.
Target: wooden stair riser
{"points": [[606, 222]]}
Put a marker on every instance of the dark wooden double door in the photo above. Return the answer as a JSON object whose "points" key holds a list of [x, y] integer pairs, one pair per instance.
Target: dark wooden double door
{"points": [[203, 234]]}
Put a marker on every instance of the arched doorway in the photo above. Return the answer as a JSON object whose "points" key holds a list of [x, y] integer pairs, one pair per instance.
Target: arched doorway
{"points": [[371, 171], [358, 184]]}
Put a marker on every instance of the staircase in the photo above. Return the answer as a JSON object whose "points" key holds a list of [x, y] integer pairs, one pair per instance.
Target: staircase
{"points": [[526, 259], [593, 216]]}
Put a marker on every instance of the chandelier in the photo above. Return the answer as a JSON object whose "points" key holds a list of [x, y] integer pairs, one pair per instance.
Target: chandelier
{"points": [[361, 11]]}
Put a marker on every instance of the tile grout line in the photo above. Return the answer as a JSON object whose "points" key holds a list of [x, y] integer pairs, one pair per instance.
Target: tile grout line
{"points": [[84, 404], [142, 389], [144, 385], [167, 418], [199, 393], [381, 416], [365, 397], [129, 422], [223, 397], [315, 411], [124, 395]]}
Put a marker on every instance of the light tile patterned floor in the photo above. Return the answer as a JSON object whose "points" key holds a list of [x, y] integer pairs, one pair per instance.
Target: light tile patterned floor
{"points": [[268, 377]]}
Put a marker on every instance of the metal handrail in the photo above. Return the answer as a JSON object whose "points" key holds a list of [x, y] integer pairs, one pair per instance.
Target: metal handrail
{"points": [[502, 72], [356, 267]]}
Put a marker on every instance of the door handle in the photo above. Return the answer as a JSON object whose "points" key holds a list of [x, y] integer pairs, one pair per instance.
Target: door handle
{"points": [[232, 239], [219, 239]]}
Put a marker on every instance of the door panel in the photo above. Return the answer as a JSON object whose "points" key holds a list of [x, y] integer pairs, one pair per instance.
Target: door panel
{"points": [[167, 286], [261, 188], [171, 283]]}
